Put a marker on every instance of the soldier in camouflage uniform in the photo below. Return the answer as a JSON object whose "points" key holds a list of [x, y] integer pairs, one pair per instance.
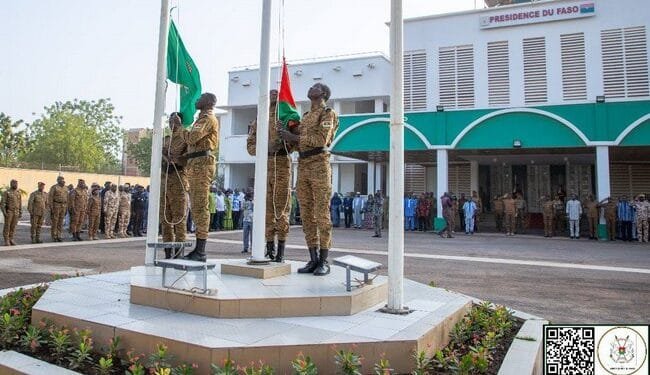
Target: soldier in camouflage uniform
{"points": [[173, 200], [548, 212], [202, 140], [124, 211], [593, 214], [642, 214], [94, 212], [111, 203], [36, 206], [316, 131], [11, 209], [378, 213], [57, 200], [610, 216], [78, 205], [278, 189]]}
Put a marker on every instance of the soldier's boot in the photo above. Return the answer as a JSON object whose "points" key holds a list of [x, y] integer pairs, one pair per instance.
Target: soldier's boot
{"points": [[168, 253], [198, 254], [12, 242], [270, 250], [279, 257], [33, 240], [38, 239], [79, 236], [313, 263], [323, 267], [7, 242]]}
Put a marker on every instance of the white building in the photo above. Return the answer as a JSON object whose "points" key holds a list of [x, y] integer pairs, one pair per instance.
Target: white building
{"points": [[358, 86]]}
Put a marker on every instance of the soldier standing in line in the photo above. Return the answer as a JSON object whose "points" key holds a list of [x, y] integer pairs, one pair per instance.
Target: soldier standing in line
{"points": [[497, 206], [559, 217], [36, 206], [317, 129], [58, 204], [278, 185], [378, 213], [94, 211], [202, 140], [548, 211], [592, 210], [479, 210], [510, 209], [173, 200], [447, 214], [520, 218], [111, 203], [11, 209], [642, 213], [610, 217], [124, 211], [78, 205]]}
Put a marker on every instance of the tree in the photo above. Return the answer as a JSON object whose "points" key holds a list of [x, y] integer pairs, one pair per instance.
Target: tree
{"points": [[84, 134], [13, 142], [141, 153]]}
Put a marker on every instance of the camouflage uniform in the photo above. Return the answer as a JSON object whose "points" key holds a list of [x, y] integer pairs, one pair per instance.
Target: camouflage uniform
{"points": [[173, 201], [520, 217], [377, 213], [559, 218], [497, 205], [592, 217], [314, 187], [610, 218], [37, 205], [548, 211], [642, 214], [202, 137], [509, 207], [58, 203], [111, 202], [94, 213], [12, 209], [78, 205], [278, 187], [124, 213]]}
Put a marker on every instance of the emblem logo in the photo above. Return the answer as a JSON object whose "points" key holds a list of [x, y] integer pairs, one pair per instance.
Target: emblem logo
{"points": [[622, 351]]}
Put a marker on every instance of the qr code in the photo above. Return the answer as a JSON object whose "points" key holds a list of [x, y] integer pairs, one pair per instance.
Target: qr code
{"points": [[569, 350]]}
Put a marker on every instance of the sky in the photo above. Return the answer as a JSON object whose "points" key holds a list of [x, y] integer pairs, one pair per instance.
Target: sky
{"points": [[57, 50]]}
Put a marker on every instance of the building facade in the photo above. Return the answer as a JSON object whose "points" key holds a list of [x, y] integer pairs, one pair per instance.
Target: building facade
{"points": [[132, 136], [358, 87]]}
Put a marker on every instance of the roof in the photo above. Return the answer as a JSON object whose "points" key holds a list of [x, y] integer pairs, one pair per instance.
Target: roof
{"points": [[482, 10], [317, 60]]}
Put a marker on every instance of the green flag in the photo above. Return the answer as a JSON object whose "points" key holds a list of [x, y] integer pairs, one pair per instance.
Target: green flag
{"points": [[182, 70]]}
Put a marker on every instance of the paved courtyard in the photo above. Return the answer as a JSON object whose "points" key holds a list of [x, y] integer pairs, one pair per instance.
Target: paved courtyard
{"points": [[563, 280]]}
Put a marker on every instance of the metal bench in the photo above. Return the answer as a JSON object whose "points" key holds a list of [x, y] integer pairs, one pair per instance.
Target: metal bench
{"points": [[187, 266], [353, 263], [177, 247]]}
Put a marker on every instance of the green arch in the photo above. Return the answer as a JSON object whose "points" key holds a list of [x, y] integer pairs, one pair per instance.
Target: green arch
{"points": [[375, 136], [639, 136], [534, 130]]}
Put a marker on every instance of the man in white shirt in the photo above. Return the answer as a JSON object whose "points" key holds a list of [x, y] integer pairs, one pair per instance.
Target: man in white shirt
{"points": [[221, 209], [357, 207], [573, 212], [236, 209]]}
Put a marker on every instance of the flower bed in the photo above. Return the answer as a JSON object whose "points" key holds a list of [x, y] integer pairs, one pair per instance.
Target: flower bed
{"points": [[478, 345]]}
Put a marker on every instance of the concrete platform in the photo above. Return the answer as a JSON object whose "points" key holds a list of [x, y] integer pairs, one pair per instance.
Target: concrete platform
{"points": [[101, 303], [236, 296], [240, 267]]}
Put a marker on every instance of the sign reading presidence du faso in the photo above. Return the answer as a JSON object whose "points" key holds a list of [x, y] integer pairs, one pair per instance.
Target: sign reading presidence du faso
{"points": [[550, 12]]}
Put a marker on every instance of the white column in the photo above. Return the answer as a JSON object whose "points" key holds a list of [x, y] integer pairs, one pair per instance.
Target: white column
{"points": [[378, 167], [156, 138], [262, 141], [396, 209], [473, 168], [379, 105], [371, 177], [336, 177], [602, 175], [294, 174], [442, 177], [227, 176]]}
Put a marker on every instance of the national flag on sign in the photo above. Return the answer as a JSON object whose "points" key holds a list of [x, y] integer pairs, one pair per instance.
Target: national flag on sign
{"points": [[182, 70], [287, 112]]}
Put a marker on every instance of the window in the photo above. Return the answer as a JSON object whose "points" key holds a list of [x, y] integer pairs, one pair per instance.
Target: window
{"points": [[535, 86], [574, 70], [241, 119], [456, 76], [498, 73], [415, 80], [625, 62]]}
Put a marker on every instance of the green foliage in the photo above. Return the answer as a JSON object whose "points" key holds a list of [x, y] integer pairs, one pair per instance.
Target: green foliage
{"points": [[229, 368], [13, 139], [83, 134], [184, 369], [82, 354], [421, 363], [160, 358], [260, 369], [134, 364], [33, 339], [383, 367], [349, 362], [105, 366], [60, 344], [141, 153], [11, 325], [304, 365]]}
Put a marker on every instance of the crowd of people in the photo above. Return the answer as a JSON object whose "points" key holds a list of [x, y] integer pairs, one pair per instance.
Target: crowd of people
{"points": [[115, 211]]}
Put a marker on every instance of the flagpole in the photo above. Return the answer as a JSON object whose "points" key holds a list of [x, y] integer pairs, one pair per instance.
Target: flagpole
{"points": [[156, 137], [396, 166], [262, 141]]}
